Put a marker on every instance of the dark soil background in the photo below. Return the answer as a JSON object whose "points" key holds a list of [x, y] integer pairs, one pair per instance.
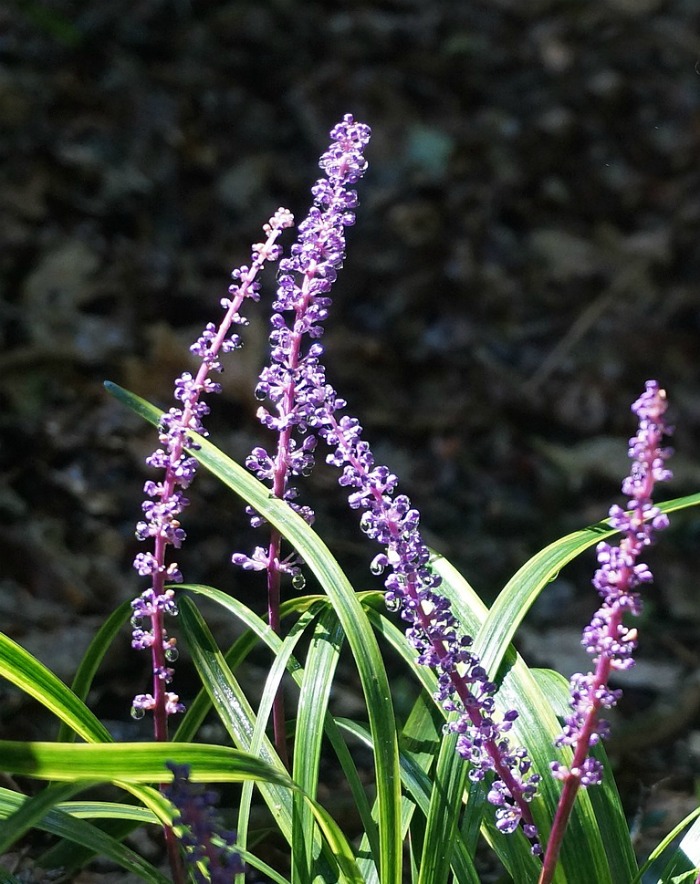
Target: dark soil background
{"points": [[525, 257]]}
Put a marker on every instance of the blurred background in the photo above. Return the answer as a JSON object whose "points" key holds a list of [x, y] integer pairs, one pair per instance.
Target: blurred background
{"points": [[525, 257]]}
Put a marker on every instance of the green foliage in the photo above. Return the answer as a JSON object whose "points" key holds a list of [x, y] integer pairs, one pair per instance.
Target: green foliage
{"points": [[419, 820]]}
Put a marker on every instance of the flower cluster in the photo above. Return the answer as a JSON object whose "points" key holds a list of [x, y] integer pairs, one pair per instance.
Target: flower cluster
{"points": [[166, 499], [610, 642], [413, 591], [294, 377], [205, 841], [304, 403]]}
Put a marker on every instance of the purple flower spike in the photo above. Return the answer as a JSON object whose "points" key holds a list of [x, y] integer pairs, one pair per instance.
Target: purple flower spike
{"points": [[292, 385], [204, 840], [434, 631], [294, 382], [165, 499], [607, 639]]}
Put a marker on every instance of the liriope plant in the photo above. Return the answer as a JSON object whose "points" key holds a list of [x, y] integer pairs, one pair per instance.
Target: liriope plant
{"points": [[491, 751]]}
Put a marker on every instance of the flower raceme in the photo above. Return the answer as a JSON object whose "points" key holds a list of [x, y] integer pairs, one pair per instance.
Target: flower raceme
{"points": [[412, 589], [607, 638], [166, 500], [293, 381], [205, 841]]}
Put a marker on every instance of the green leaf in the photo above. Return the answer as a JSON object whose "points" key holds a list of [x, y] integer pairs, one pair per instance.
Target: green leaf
{"points": [[257, 630], [233, 708], [460, 859], [32, 810], [60, 823], [320, 665], [134, 762], [418, 785], [92, 658], [357, 630], [109, 810], [239, 718], [685, 857], [309, 608], [30, 675]]}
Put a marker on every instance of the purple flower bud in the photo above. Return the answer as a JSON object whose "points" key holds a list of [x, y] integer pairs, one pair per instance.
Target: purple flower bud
{"points": [[610, 642], [165, 500], [204, 838], [294, 383]]}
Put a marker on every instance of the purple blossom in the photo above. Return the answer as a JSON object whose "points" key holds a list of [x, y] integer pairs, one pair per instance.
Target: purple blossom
{"points": [[165, 499], [607, 638], [302, 406], [204, 839], [293, 382], [412, 589]]}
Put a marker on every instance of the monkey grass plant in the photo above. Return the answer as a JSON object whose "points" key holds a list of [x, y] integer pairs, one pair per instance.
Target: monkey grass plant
{"points": [[491, 751]]}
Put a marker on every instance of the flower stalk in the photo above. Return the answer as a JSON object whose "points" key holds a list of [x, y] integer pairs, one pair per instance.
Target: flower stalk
{"points": [[165, 499], [608, 639], [304, 283]]}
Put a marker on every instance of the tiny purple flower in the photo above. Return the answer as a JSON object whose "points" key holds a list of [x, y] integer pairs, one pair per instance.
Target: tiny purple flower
{"points": [[165, 499], [607, 638]]}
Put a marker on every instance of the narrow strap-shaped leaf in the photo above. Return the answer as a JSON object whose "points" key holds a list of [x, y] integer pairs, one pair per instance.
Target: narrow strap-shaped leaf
{"points": [[283, 660], [100, 644], [447, 757], [684, 858], [308, 607], [30, 675], [108, 810], [369, 847], [358, 632], [254, 862], [135, 762], [320, 665], [32, 810], [419, 786], [424, 729], [79, 832], [22, 669], [536, 728], [71, 856], [442, 827], [237, 715], [232, 707], [257, 631]]}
